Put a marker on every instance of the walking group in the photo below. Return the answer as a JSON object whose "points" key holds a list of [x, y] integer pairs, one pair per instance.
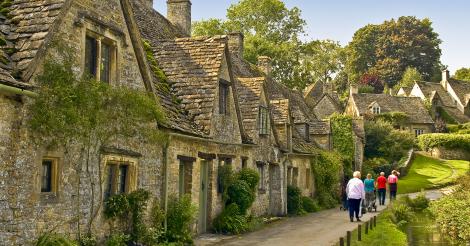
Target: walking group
{"points": [[360, 196]]}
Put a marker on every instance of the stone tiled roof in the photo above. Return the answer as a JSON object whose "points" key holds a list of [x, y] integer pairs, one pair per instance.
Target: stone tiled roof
{"points": [[406, 89], [320, 127], [299, 145], [280, 110], [249, 97], [429, 87], [152, 25], [462, 89], [313, 93], [7, 79], [412, 106], [192, 66]]}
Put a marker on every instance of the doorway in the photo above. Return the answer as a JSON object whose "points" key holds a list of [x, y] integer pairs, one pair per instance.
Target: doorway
{"points": [[203, 197]]}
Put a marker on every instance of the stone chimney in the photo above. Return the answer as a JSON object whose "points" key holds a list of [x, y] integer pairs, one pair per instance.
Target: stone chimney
{"points": [[353, 90], [235, 43], [179, 14], [265, 65], [445, 78]]}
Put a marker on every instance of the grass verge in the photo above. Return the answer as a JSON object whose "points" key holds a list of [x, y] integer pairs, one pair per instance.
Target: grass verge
{"points": [[428, 173]]}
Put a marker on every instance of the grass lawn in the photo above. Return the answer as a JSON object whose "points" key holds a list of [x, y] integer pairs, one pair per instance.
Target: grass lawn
{"points": [[428, 173]]}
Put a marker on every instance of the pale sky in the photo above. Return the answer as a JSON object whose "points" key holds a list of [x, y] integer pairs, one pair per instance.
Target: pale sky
{"points": [[339, 19]]}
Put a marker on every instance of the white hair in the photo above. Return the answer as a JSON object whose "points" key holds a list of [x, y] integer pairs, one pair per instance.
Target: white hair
{"points": [[357, 174], [382, 173]]}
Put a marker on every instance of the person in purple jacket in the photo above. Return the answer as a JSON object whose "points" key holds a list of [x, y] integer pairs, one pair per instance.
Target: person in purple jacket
{"points": [[355, 192]]}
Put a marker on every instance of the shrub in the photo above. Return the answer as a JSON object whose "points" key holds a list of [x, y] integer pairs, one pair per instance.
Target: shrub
{"points": [[450, 141], [138, 204], [180, 215], [459, 129], [326, 166], [88, 240], [401, 213], [343, 140], [240, 193], [116, 206], [230, 221], [118, 239], [250, 176], [310, 205], [294, 201], [419, 203], [53, 239], [226, 178]]}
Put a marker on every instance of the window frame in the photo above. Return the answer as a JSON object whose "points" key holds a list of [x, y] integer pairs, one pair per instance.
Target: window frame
{"points": [[418, 131], [376, 109], [224, 95], [263, 121], [100, 42], [260, 167], [222, 161], [113, 185], [185, 185], [54, 175]]}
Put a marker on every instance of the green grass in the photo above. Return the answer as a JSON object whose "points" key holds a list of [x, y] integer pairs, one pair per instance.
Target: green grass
{"points": [[428, 173]]}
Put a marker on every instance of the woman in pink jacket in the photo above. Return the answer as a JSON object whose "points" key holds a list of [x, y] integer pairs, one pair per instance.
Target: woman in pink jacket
{"points": [[355, 192]]}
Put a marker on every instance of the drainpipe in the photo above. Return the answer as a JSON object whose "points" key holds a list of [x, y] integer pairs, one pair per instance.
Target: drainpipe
{"points": [[18, 91], [165, 181]]}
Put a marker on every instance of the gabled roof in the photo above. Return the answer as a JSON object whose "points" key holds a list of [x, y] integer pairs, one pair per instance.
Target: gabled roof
{"points": [[249, 97], [192, 66], [280, 110], [406, 89], [26, 29], [461, 88], [412, 106], [320, 127], [429, 87], [299, 145], [313, 93]]}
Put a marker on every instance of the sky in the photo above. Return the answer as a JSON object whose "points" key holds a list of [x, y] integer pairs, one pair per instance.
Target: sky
{"points": [[339, 19]]}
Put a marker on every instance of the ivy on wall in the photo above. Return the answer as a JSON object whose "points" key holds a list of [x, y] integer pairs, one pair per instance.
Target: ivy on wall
{"points": [[343, 139], [326, 166]]}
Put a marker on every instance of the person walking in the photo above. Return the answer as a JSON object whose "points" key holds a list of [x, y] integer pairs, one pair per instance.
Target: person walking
{"points": [[355, 192], [382, 188], [369, 187], [393, 184]]}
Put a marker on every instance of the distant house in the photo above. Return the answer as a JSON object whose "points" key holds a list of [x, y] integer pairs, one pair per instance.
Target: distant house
{"points": [[450, 97], [322, 100], [362, 105], [404, 91]]}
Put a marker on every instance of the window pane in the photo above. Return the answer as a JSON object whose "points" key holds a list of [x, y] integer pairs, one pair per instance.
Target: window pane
{"points": [[105, 65], [46, 181], [109, 182], [223, 95], [122, 179], [181, 179], [90, 56]]}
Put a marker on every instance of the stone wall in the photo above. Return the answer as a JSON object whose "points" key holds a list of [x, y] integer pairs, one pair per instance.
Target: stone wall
{"points": [[450, 154]]}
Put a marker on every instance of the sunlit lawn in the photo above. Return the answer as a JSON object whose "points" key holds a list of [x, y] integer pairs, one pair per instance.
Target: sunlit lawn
{"points": [[428, 173]]}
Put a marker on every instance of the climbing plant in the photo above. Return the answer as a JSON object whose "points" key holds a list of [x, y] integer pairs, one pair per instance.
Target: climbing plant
{"points": [[80, 113], [343, 141], [326, 166]]}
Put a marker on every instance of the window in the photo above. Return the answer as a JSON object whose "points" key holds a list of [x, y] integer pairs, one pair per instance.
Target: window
{"points": [[418, 132], [260, 167], [117, 180], [376, 109], [308, 177], [99, 58], [244, 162], [185, 177], [223, 97], [289, 176], [263, 121], [295, 176], [222, 162], [49, 175]]}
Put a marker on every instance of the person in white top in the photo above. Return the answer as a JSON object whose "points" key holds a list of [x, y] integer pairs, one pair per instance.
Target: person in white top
{"points": [[355, 192]]}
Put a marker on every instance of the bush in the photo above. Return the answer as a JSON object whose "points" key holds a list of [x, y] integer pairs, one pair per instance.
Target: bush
{"points": [[226, 178], [250, 176], [310, 205], [119, 239], [459, 129], [54, 239], [401, 213], [419, 203], [240, 193], [294, 201], [88, 240], [450, 141], [230, 221], [180, 215], [116, 206], [326, 167]]}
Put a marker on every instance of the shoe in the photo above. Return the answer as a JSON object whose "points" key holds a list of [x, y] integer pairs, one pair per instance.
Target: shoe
{"points": [[351, 219], [358, 220]]}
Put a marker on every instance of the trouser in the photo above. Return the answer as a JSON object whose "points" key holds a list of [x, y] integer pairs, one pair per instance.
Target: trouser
{"points": [[382, 196], [370, 198], [354, 207], [393, 191]]}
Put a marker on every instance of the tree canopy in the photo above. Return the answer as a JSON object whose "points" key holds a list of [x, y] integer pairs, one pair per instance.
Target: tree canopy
{"points": [[463, 74], [410, 75], [389, 48]]}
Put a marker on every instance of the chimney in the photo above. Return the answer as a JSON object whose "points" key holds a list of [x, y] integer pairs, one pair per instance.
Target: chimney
{"points": [[445, 78], [235, 43], [179, 14], [391, 91], [264, 64], [353, 90]]}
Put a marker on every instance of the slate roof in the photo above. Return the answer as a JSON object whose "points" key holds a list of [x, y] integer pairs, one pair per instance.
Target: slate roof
{"points": [[429, 87], [299, 145], [280, 111], [412, 106], [249, 98], [192, 66], [462, 89], [320, 127], [313, 93], [25, 29], [406, 89]]}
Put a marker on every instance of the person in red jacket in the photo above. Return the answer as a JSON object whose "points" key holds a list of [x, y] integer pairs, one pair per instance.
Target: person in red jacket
{"points": [[382, 188]]}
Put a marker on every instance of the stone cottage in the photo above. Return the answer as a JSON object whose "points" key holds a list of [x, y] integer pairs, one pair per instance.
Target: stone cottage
{"points": [[220, 110], [321, 98], [450, 97]]}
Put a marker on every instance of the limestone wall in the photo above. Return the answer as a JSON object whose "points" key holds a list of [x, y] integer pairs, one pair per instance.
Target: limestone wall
{"points": [[450, 154]]}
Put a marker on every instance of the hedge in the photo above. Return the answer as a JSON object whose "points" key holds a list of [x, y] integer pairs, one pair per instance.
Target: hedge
{"points": [[449, 141]]}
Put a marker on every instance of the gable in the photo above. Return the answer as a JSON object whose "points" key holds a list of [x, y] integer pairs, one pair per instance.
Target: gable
{"points": [[325, 107]]}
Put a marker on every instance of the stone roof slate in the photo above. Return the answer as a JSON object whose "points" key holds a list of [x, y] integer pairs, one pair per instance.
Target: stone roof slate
{"points": [[249, 98], [429, 87], [192, 66], [412, 106], [320, 127], [280, 111], [462, 89]]}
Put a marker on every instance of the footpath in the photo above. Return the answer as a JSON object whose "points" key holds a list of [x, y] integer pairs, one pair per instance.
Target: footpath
{"points": [[320, 229]]}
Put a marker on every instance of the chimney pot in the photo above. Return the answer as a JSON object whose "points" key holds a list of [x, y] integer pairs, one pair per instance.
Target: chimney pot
{"points": [[264, 63], [353, 90], [235, 43], [179, 14]]}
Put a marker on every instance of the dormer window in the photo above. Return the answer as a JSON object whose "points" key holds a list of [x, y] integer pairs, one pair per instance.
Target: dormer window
{"points": [[376, 110], [100, 58], [223, 96], [263, 121]]}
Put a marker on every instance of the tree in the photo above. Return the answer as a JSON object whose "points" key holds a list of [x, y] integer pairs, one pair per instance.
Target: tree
{"points": [[323, 58], [270, 29], [409, 77], [389, 48], [462, 74], [373, 81]]}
